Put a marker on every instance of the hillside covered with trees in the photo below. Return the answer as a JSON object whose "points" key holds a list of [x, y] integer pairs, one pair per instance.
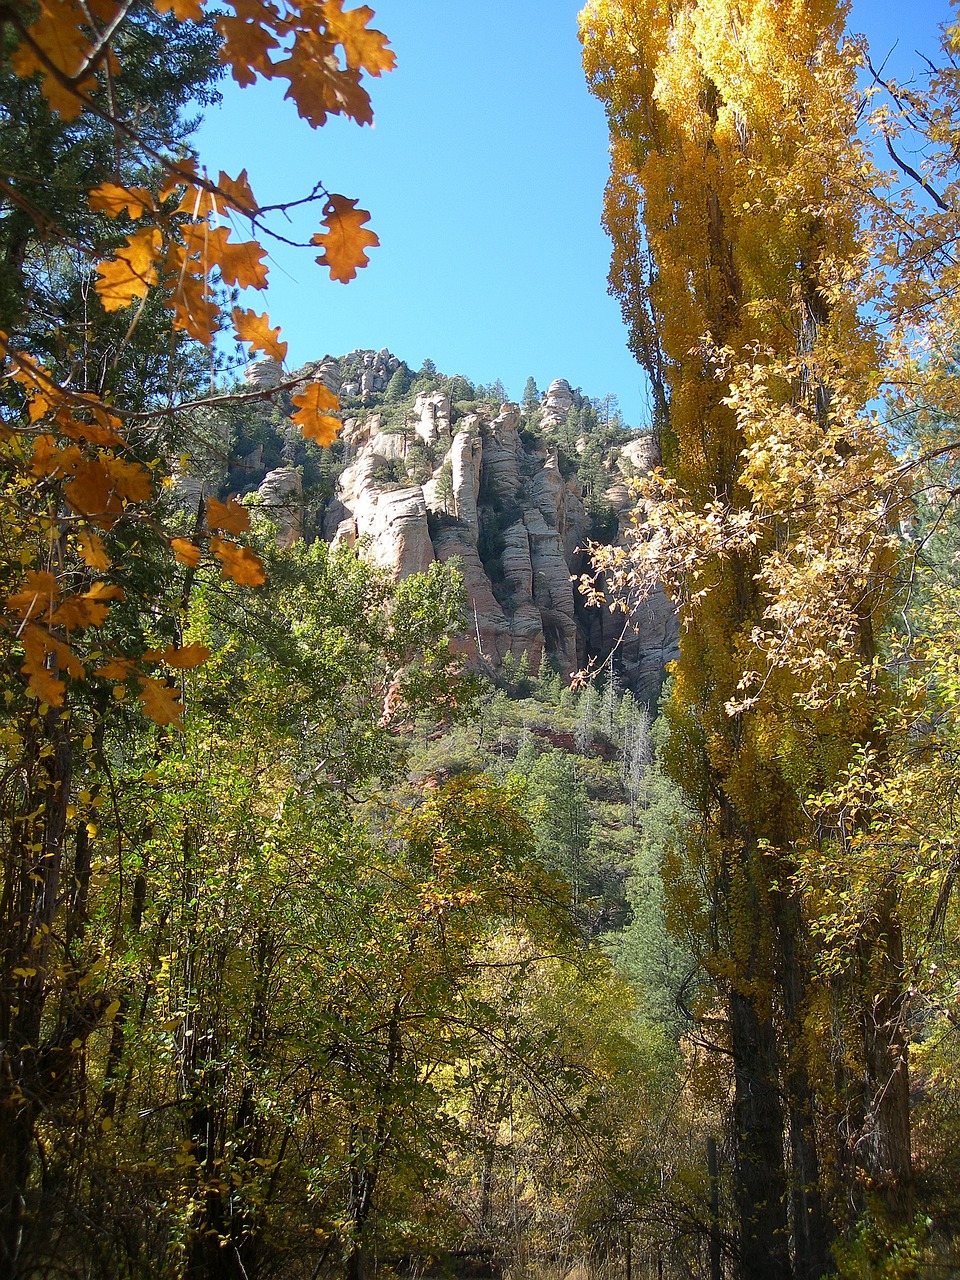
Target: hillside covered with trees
{"points": [[449, 836]]}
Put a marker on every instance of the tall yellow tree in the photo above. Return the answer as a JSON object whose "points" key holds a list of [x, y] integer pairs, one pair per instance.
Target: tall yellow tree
{"points": [[740, 258]]}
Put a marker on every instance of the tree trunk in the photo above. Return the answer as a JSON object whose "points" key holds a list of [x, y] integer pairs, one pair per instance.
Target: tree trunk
{"points": [[808, 1216], [761, 1182], [32, 881], [885, 1154]]}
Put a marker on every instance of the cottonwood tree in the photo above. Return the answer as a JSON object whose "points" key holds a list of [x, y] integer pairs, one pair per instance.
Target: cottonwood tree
{"points": [[738, 254]]}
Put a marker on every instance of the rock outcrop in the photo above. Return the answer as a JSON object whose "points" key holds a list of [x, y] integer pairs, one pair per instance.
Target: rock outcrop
{"points": [[281, 500], [558, 400], [423, 479], [501, 506], [367, 373]]}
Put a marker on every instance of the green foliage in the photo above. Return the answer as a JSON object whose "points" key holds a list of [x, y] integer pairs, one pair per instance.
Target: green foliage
{"points": [[444, 489], [390, 473], [880, 1252], [458, 388], [168, 70], [398, 386]]}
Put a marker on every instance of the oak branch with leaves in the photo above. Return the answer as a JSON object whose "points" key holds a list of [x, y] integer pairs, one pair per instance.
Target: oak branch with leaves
{"points": [[72, 455]]}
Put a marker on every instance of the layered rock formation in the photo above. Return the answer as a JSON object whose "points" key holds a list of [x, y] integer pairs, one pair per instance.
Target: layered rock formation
{"points": [[435, 484], [415, 478]]}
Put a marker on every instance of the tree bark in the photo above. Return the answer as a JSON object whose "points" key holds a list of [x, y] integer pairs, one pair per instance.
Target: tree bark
{"points": [[885, 1147], [761, 1182]]}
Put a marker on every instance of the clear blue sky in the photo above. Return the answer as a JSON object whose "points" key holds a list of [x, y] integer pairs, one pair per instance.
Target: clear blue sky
{"points": [[484, 175]]}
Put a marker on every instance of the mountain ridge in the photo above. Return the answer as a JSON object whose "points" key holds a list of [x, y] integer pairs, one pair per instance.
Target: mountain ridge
{"points": [[431, 467]]}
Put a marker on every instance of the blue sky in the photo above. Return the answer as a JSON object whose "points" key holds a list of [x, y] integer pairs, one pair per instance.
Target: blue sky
{"points": [[484, 175]]}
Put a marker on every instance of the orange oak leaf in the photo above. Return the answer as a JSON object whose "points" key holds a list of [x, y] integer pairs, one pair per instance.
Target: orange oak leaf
{"points": [[247, 44], [130, 481], [113, 200], [40, 404], [42, 679], [363, 48], [229, 516], [57, 34], [92, 551], [48, 459], [240, 264], [88, 420], [197, 201], [311, 417], [36, 595], [191, 655], [46, 456], [183, 10], [131, 271], [255, 330], [182, 174], [186, 552], [161, 703], [90, 492], [194, 309], [203, 241], [116, 669], [318, 86], [87, 610], [346, 239], [105, 11], [177, 175], [236, 191], [239, 563]]}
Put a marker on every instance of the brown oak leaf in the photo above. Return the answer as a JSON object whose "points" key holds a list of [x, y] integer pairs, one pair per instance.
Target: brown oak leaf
{"points": [[229, 516], [311, 416], [345, 240], [239, 563], [255, 330]]}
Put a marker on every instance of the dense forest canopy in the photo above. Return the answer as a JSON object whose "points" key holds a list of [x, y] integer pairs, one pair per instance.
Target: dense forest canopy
{"points": [[331, 942]]}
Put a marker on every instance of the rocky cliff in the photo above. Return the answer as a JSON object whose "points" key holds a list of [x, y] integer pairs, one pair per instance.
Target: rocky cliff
{"points": [[420, 475]]}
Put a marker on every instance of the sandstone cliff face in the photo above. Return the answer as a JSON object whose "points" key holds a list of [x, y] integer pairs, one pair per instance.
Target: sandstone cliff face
{"points": [[428, 483]]}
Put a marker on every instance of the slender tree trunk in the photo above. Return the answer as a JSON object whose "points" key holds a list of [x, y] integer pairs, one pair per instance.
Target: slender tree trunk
{"points": [[713, 1177], [32, 885], [761, 1181], [885, 1149], [808, 1216]]}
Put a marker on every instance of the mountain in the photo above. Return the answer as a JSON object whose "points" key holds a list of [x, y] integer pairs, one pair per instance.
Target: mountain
{"points": [[432, 467]]}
